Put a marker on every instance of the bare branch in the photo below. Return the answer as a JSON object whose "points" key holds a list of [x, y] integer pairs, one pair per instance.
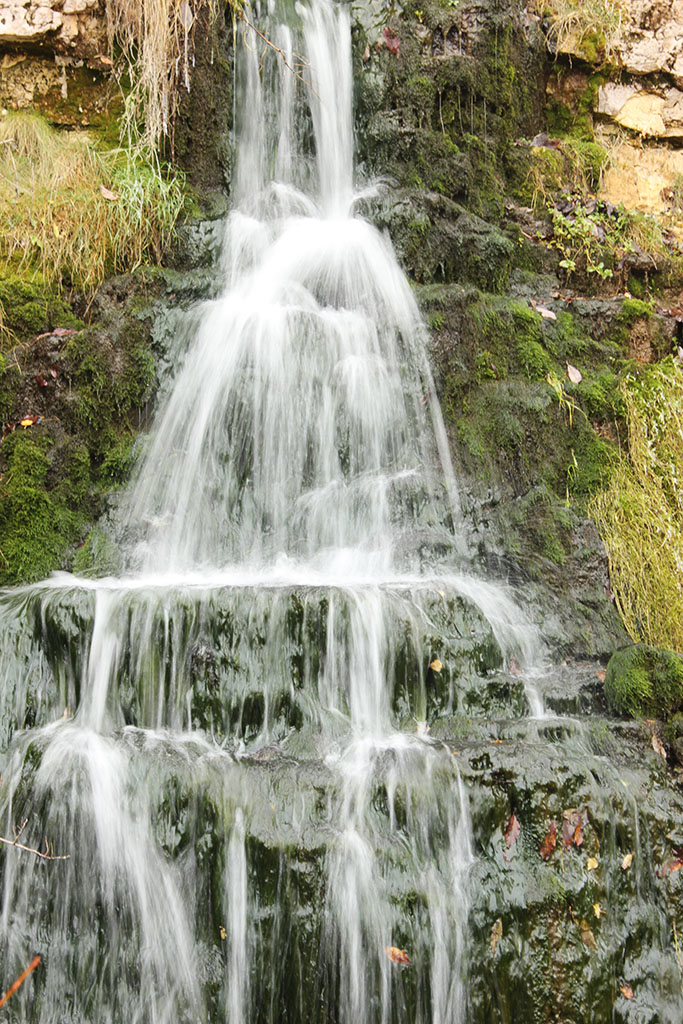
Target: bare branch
{"points": [[300, 63], [20, 980], [46, 854]]}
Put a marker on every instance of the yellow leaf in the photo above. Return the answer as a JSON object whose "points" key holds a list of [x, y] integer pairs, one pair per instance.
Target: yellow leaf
{"points": [[626, 862], [223, 932], [591, 863], [396, 955], [435, 665], [597, 910], [496, 935]]}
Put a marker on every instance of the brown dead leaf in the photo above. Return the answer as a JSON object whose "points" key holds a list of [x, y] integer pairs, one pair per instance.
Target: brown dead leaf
{"points": [[511, 832], [626, 991], [601, 675], [515, 670], [657, 746], [670, 867], [574, 375], [108, 194], [550, 841], [396, 955], [496, 935], [587, 936]]}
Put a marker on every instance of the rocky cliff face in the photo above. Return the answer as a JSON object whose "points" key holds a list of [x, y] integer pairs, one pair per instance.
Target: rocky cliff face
{"points": [[73, 27]]}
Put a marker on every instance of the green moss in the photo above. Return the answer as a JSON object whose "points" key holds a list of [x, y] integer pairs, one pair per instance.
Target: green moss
{"points": [[645, 681], [36, 525], [30, 307], [634, 309], [601, 396]]}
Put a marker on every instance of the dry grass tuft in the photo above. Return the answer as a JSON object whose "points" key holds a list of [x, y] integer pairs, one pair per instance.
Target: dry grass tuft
{"points": [[153, 40], [76, 213], [640, 514], [590, 28]]}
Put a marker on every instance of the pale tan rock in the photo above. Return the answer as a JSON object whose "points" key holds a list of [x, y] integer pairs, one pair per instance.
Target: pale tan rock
{"points": [[655, 113], [641, 176], [57, 26]]}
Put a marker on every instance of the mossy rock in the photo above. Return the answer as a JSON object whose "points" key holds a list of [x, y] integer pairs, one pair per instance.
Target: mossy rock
{"points": [[645, 681], [29, 307]]}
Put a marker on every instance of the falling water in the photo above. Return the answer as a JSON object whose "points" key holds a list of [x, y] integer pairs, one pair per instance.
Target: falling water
{"points": [[262, 676]]}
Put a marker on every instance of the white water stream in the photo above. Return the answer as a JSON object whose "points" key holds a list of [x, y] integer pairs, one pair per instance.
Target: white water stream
{"points": [[300, 461]]}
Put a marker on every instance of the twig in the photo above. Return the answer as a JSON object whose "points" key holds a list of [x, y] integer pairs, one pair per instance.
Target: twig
{"points": [[301, 62], [20, 980], [46, 854]]}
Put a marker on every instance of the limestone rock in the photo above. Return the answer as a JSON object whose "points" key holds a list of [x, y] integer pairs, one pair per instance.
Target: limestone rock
{"points": [[646, 38], [653, 112], [75, 27]]}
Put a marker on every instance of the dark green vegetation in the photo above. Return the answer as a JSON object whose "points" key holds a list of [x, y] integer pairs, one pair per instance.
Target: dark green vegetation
{"points": [[83, 395], [646, 681]]}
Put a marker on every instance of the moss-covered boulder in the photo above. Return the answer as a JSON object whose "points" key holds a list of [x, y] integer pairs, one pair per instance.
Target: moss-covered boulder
{"points": [[643, 680]]}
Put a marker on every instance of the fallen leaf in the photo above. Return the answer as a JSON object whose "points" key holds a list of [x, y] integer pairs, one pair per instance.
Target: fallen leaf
{"points": [[223, 932], [515, 670], [397, 956], [550, 841], [366, 53], [391, 40], [601, 675], [496, 935], [626, 862], [597, 910], [626, 991], [512, 832], [574, 375], [103, 59], [61, 332], [587, 936], [591, 864], [40, 380], [572, 828], [657, 746], [108, 194], [185, 15], [546, 313], [670, 867], [54, 373], [435, 665], [28, 421]]}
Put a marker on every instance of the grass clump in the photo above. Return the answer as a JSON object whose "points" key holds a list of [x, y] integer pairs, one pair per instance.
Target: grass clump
{"points": [[74, 213], [640, 513], [645, 681], [591, 29]]}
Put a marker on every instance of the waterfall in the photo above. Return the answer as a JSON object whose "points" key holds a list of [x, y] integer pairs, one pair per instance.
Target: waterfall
{"points": [[230, 741]]}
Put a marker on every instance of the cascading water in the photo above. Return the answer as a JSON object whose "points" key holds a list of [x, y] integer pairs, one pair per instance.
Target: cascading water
{"points": [[230, 740]]}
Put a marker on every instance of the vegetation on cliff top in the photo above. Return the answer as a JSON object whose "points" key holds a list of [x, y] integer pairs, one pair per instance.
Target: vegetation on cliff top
{"points": [[76, 213]]}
